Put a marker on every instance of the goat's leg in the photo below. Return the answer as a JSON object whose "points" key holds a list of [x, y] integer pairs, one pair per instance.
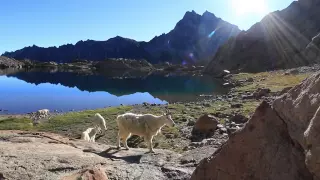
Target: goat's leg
{"points": [[86, 137], [149, 140], [118, 140], [125, 139], [93, 138]]}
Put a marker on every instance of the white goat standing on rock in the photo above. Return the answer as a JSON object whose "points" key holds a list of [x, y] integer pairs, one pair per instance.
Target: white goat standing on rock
{"points": [[90, 134], [85, 134], [146, 125], [42, 112]]}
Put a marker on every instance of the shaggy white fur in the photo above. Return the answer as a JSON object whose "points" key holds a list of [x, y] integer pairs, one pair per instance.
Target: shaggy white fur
{"points": [[100, 121], [42, 112], [90, 134], [85, 134], [93, 134], [143, 125]]}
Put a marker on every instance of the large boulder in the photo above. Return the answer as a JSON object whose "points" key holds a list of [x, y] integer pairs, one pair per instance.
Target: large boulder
{"points": [[262, 150], [279, 142], [206, 123], [204, 127], [299, 109]]}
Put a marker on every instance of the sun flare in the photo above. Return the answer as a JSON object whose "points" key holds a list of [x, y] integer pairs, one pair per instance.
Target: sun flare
{"points": [[242, 7]]}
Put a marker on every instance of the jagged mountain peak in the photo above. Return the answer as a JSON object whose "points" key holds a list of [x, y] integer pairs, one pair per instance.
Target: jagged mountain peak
{"points": [[208, 14], [278, 41]]}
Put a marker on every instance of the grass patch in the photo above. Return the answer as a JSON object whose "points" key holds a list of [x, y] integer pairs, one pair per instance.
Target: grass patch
{"points": [[73, 123], [248, 107], [275, 81], [24, 124]]}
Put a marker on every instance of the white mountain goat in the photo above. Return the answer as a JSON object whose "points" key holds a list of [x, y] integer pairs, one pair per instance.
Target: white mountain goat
{"points": [[143, 125], [42, 112], [93, 134], [90, 134], [86, 134], [98, 120]]}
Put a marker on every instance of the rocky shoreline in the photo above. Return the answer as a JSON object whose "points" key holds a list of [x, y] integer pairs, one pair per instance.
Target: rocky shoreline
{"points": [[109, 66]]}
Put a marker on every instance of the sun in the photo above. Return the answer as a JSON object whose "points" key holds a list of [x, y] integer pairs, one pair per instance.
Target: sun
{"points": [[242, 7]]}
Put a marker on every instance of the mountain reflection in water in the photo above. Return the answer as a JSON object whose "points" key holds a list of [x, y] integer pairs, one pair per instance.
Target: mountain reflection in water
{"points": [[69, 90]]}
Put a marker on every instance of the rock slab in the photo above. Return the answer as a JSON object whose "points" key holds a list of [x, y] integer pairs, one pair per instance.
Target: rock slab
{"points": [[37, 155], [262, 150]]}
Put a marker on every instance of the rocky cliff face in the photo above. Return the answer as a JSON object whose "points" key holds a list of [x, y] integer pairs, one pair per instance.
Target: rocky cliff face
{"points": [[194, 38], [10, 63], [312, 51], [278, 142], [275, 42]]}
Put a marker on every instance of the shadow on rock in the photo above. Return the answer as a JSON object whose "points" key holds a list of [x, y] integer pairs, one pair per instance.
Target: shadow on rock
{"points": [[112, 152]]}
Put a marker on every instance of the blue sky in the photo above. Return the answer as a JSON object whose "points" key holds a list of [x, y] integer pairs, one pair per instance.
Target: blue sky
{"points": [[56, 22]]}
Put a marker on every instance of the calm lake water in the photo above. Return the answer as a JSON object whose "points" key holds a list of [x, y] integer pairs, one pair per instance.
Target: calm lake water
{"points": [[23, 92]]}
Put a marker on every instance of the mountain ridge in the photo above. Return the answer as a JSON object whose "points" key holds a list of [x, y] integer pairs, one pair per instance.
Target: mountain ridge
{"points": [[187, 42]]}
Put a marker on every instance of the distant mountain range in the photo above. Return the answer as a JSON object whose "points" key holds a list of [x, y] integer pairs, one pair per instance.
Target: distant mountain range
{"points": [[283, 39], [195, 38]]}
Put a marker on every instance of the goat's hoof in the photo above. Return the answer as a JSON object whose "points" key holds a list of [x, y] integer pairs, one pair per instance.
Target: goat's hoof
{"points": [[118, 147], [127, 149]]}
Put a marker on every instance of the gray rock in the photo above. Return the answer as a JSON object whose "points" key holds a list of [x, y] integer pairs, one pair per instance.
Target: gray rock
{"points": [[238, 105], [204, 127], [260, 92], [238, 118], [176, 173], [35, 155], [145, 104], [223, 130], [244, 97], [283, 91], [232, 130], [220, 126], [250, 79], [191, 122], [206, 104], [232, 124]]}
